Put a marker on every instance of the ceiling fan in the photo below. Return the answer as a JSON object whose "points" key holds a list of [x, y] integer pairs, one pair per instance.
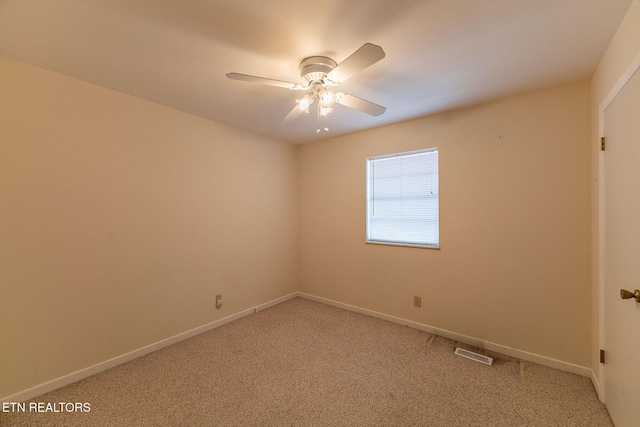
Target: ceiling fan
{"points": [[317, 75]]}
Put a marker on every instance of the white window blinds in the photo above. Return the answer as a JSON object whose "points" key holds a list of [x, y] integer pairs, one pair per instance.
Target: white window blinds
{"points": [[402, 198]]}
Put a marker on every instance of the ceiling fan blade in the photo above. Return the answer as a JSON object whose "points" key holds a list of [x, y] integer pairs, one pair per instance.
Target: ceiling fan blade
{"points": [[361, 105], [293, 114], [362, 58], [260, 80]]}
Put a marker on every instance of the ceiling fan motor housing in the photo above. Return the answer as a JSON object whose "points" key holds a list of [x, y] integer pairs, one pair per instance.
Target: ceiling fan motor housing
{"points": [[315, 68]]}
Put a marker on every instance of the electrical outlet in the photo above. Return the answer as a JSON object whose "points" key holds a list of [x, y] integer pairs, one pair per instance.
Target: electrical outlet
{"points": [[417, 301], [218, 301]]}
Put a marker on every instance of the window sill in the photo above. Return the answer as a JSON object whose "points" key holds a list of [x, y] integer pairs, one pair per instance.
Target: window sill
{"points": [[406, 245]]}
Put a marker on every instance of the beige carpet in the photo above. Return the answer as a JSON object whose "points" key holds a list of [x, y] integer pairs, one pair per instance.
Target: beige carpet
{"points": [[303, 363]]}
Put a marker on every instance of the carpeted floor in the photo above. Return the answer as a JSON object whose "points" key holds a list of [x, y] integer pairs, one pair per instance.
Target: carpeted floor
{"points": [[302, 363]]}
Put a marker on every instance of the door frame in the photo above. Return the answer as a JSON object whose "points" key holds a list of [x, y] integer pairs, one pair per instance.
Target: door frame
{"points": [[598, 379]]}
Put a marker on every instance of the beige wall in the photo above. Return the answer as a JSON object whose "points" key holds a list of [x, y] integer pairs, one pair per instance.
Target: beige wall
{"points": [[120, 220], [624, 47], [514, 263]]}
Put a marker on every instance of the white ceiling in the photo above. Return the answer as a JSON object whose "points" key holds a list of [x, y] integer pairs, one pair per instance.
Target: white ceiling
{"points": [[440, 54]]}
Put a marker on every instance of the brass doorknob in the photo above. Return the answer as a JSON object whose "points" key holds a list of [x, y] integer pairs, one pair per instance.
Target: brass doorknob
{"points": [[625, 294]]}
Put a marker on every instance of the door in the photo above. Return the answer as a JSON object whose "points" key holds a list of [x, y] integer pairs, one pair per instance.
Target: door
{"points": [[622, 254]]}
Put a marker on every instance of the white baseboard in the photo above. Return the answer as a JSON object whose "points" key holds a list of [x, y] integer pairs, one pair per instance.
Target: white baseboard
{"points": [[118, 360], [40, 389], [507, 351], [596, 385]]}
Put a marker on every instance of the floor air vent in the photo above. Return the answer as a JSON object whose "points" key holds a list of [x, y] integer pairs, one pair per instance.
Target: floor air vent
{"points": [[473, 356]]}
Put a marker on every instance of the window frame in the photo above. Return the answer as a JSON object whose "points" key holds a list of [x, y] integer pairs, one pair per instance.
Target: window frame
{"points": [[368, 198]]}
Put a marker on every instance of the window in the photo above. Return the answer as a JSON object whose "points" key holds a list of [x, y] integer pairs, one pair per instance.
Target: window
{"points": [[402, 199]]}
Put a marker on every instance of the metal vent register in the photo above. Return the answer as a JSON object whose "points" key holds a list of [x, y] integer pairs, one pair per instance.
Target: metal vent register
{"points": [[473, 356]]}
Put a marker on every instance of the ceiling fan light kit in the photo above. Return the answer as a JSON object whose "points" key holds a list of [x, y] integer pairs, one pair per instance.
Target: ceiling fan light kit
{"points": [[317, 75]]}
